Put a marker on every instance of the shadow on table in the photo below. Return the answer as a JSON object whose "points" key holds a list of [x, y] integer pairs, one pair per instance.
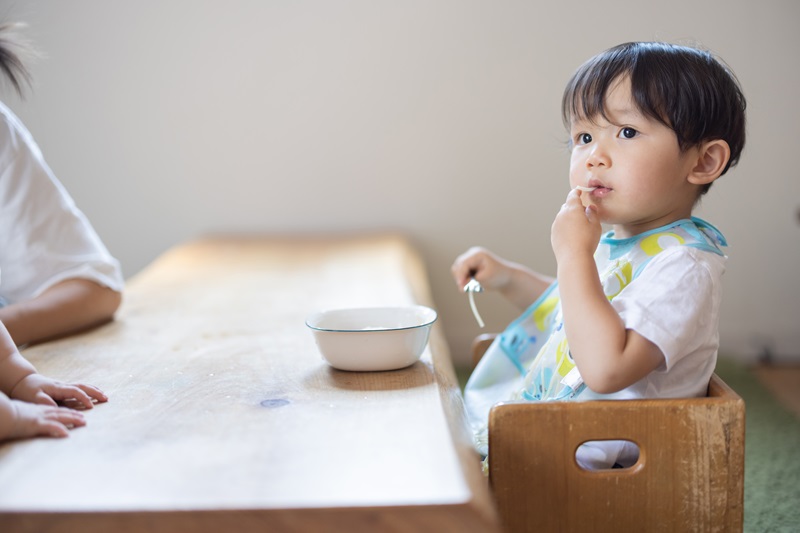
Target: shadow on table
{"points": [[417, 375]]}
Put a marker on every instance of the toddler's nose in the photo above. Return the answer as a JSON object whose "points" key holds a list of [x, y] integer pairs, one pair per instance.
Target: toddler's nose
{"points": [[598, 157]]}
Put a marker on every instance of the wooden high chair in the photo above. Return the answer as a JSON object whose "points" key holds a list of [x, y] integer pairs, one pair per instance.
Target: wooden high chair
{"points": [[689, 477]]}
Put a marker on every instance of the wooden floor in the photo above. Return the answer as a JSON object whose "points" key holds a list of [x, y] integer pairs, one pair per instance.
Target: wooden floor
{"points": [[784, 382]]}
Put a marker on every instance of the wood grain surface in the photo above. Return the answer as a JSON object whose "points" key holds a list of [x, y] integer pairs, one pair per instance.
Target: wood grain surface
{"points": [[223, 416]]}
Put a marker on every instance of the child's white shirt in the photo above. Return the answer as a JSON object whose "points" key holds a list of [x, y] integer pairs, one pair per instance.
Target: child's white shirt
{"points": [[44, 237], [682, 319]]}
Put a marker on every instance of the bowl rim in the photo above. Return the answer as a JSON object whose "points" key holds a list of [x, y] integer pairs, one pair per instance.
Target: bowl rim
{"points": [[317, 314]]}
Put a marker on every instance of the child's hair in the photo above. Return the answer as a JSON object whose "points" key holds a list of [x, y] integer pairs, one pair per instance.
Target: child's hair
{"points": [[686, 89], [12, 52]]}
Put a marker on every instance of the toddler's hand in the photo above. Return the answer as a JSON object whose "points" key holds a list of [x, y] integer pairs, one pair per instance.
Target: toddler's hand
{"points": [[481, 264], [39, 389], [31, 420], [576, 228]]}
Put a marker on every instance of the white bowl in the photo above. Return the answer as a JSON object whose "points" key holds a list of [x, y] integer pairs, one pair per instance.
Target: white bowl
{"points": [[372, 338]]}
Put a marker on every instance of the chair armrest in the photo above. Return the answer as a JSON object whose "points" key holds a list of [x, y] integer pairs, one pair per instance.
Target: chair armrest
{"points": [[480, 344]]}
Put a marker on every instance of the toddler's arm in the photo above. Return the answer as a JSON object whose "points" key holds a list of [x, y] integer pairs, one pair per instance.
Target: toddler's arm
{"points": [[608, 356], [520, 285], [67, 307]]}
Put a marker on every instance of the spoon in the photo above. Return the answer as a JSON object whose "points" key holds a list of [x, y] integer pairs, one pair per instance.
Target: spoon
{"points": [[471, 288]]}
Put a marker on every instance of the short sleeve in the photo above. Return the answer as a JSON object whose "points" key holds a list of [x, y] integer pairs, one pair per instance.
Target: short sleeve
{"points": [[44, 237], [674, 302]]}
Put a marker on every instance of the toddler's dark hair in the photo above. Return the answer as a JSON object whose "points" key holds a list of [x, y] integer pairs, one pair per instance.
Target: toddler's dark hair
{"points": [[12, 52], [686, 89]]}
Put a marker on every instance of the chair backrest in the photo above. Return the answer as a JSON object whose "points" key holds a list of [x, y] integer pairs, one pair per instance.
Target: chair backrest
{"points": [[689, 477]]}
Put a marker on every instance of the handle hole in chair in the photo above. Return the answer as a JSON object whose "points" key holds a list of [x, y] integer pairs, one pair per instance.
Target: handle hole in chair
{"points": [[593, 455]]}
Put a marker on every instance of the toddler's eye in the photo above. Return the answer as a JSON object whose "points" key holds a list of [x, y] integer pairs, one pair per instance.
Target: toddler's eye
{"points": [[628, 133], [584, 138]]}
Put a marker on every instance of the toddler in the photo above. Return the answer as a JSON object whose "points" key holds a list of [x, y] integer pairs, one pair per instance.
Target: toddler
{"points": [[56, 276], [633, 312]]}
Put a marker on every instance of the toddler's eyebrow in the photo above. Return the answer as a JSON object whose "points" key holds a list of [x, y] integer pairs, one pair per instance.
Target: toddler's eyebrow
{"points": [[614, 117]]}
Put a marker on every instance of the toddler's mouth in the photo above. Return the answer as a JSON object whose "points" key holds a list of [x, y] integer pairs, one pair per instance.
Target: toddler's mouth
{"points": [[595, 189]]}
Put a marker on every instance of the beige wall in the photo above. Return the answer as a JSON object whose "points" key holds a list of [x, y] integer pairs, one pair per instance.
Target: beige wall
{"points": [[170, 119]]}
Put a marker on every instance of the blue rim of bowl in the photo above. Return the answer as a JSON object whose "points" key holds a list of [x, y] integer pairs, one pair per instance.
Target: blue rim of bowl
{"points": [[315, 328]]}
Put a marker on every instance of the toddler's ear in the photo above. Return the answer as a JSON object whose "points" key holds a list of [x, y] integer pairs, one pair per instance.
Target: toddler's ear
{"points": [[712, 158]]}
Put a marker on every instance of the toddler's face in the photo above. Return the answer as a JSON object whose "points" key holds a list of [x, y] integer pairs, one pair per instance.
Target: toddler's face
{"points": [[635, 163]]}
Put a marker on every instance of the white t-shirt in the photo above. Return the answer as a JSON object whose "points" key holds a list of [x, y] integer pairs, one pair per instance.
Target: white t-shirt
{"points": [[674, 303], [44, 237]]}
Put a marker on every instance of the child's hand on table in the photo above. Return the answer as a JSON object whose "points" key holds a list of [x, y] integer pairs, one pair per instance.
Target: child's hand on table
{"points": [[38, 389], [32, 420]]}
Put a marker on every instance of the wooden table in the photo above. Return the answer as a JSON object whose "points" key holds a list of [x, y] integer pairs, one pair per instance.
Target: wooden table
{"points": [[223, 416]]}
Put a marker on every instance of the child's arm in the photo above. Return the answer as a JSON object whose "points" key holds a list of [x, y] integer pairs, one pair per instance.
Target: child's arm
{"points": [[19, 380], [66, 307], [608, 356], [20, 419], [13, 367], [520, 285]]}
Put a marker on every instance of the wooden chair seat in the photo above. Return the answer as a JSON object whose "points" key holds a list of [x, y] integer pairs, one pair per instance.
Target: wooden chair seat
{"points": [[689, 477]]}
